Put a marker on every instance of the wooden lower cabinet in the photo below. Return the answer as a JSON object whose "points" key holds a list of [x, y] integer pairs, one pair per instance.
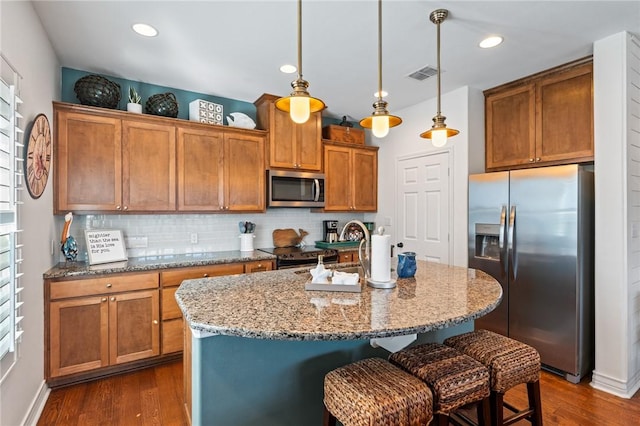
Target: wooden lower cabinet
{"points": [[348, 256], [118, 323]]}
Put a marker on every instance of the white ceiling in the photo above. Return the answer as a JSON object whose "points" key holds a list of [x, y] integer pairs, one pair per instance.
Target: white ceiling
{"points": [[234, 48]]}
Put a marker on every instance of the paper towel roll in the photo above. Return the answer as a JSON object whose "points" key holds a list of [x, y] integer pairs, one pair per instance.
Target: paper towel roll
{"points": [[381, 258]]}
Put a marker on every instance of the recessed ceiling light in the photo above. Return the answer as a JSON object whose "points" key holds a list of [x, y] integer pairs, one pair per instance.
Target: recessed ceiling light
{"points": [[491, 41], [145, 30], [384, 94], [288, 69]]}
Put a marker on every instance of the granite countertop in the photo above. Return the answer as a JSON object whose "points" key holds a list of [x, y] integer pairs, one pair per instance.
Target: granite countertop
{"points": [[275, 305], [150, 263]]}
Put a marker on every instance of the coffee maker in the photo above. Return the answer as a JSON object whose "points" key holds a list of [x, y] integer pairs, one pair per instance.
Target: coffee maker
{"points": [[330, 230]]}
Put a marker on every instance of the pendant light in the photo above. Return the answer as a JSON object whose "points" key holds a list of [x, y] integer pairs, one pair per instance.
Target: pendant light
{"points": [[299, 104], [380, 121], [439, 131]]}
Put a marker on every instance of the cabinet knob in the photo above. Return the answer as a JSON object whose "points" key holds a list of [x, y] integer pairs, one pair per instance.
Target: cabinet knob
{"points": [[104, 299], [155, 322], [118, 207], [205, 275], [531, 160], [113, 299], [537, 158], [108, 285], [259, 265], [126, 207]]}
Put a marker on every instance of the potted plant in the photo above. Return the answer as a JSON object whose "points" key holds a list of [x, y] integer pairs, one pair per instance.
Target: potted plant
{"points": [[134, 101]]}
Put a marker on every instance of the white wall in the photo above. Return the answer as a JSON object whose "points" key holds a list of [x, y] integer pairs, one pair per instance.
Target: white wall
{"points": [[617, 212], [25, 44], [464, 110]]}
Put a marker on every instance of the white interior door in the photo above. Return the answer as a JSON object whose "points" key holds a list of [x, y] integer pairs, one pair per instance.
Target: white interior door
{"points": [[423, 206]]}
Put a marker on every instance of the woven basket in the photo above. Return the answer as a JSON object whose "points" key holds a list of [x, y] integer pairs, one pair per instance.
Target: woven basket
{"points": [[97, 91], [164, 104]]}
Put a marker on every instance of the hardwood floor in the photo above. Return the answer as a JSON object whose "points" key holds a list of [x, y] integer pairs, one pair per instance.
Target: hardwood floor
{"points": [[154, 397]]}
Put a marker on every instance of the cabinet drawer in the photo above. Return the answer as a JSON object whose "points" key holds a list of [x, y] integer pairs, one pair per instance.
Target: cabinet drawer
{"points": [[172, 336], [170, 308], [175, 277], [103, 285], [348, 256]]}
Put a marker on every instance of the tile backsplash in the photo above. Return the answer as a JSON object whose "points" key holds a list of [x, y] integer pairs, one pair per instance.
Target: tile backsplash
{"points": [[172, 234]]}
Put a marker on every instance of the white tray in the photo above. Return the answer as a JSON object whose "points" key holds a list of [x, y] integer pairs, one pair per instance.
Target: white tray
{"points": [[351, 288]]}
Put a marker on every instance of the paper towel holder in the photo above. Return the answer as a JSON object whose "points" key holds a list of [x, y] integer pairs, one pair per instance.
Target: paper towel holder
{"points": [[381, 284]]}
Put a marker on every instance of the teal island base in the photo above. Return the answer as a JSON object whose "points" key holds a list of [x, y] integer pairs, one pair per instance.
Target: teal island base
{"points": [[239, 381]]}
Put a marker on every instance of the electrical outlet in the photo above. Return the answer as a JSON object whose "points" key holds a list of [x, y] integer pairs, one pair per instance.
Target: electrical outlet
{"points": [[194, 238], [387, 221]]}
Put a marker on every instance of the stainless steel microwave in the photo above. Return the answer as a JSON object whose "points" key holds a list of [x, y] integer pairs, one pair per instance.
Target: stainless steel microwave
{"points": [[295, 189]]}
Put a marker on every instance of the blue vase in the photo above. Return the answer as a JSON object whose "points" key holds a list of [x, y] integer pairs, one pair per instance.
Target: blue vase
{"points": [[406, 264]]}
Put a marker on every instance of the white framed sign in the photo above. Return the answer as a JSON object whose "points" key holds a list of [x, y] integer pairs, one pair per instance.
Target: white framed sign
{"points": [[104, 246]]}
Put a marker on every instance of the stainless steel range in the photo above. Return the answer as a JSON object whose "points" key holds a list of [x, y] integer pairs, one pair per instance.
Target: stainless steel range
{"points": [[296, 257]]}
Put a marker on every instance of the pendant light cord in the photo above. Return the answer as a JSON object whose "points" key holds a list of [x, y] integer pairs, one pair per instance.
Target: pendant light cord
{"points": [[379, 49], [300, 39], [438, 53]]}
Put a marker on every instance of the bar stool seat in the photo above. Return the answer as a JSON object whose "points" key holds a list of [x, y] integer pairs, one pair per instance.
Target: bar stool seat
{"points": [[455, 379], [510, 363], [375, 392]]}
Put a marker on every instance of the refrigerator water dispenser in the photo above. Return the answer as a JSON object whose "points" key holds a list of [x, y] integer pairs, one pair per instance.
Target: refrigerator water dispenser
{"points": [[488, 241]]}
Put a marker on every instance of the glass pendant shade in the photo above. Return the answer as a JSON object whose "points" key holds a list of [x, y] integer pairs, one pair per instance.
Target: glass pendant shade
{"points": [[299, 104], [380, 126], [380, 121], [439, 133]]}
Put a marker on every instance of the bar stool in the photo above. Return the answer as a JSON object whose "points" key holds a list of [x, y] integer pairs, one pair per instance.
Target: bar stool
{"points": [[375, 392], [455, 379], [510, 363]]}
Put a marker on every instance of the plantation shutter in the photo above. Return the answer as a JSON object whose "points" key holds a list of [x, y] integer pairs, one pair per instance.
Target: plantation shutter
{"points": [[11, 179]]}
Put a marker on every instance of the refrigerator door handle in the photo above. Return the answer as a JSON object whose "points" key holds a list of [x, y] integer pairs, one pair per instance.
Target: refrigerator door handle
{"points": [[501, 238], [512, 244]]}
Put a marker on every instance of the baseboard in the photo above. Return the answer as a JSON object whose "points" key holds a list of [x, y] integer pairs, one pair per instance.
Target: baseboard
{"points": [[37, 405], [621, 388]]}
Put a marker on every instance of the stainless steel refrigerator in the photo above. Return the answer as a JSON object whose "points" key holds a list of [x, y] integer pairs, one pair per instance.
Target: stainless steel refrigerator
{"points": [[533, 230]]}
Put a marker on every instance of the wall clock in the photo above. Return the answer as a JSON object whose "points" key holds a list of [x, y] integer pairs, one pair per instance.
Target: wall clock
{"points": [[38, 156]]}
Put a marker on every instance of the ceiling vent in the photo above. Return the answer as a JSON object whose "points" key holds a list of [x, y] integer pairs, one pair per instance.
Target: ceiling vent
{"points": [[423, 73]]}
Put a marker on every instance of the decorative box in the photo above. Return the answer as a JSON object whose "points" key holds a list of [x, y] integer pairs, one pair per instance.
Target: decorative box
{"points": [[343, 134], [205, 112]]}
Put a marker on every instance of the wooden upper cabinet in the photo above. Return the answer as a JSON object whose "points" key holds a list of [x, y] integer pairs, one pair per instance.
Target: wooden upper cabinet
{"points": [[244, 172], [510, 127], [114, 161], [148, 166], [544, 119], [351, 182], [291, 145], [200, 170], [88, 162]]}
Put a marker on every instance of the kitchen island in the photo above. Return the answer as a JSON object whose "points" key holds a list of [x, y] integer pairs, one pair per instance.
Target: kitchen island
{"points": [[260, 344]]}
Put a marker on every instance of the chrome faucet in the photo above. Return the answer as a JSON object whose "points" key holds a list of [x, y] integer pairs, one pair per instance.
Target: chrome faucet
{"points": [[365, 260]]}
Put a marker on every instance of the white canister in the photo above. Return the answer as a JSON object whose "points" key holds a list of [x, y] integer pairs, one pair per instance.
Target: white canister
{"points": [[246, 242]]}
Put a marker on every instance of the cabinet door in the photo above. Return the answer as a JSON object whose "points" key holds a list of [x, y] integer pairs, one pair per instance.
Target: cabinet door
{"points": [[564, 124], [510, 127], [134, 328], [283, 134], [148, 166], [244, 173], [200, 170], [79, 335], [309, 143], [337, 185], [364, 180], [88, 153]]}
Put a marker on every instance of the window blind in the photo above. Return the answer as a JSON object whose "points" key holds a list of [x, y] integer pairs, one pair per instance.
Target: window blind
{"points": [[11, 183]]}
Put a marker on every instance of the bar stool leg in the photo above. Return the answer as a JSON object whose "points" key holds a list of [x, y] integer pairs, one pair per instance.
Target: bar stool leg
{"points": [[328, 419], [484, 412], [533, 392], [442, 419], [497, 408]]}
